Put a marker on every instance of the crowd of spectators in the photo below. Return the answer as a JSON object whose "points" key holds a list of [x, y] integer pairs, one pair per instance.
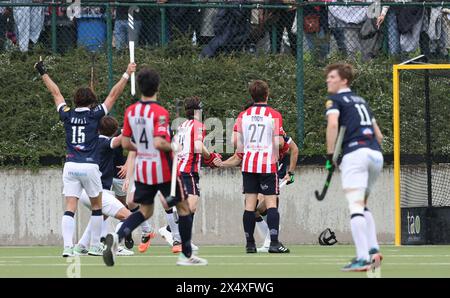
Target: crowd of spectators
{"points": [[347, 29]]}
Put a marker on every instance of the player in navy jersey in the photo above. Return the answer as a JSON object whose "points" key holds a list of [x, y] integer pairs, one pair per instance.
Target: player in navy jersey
{"points": [[362, 160], [111, 207], [81, 170]]}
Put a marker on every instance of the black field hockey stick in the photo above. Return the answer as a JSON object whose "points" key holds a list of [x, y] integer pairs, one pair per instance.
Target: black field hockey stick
{"points": [[337, 152]]}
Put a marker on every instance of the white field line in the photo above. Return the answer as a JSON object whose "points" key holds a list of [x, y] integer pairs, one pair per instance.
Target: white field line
{"points": [[216, 264], [261, 255]]}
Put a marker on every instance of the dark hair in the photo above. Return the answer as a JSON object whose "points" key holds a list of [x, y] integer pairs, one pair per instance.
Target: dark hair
{"points": [[259, 90], [108, 126], [84, 97], [344, 70], [148, 81], [191, 104]]}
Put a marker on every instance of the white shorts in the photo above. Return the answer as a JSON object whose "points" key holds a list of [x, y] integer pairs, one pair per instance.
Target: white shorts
{"points": [[79, 176], [110, 205], [117, 187], [361, 168]]}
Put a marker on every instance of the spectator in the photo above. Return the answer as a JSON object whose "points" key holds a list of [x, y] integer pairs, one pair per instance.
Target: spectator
{"points": [[231, 31], [315, 27], [29, 22], [183, 21], [284, 19], [446, 29], [122, 32], [151, 22], [4, 14], [349, 19], [207, 25]]}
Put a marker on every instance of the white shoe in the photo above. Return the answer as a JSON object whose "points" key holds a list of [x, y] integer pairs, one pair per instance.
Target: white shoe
{"points": [[96, 250], [122, 251], [112, 244], [166, 235], [79, 250], [192, 261], [263, 249], [194, 247]]}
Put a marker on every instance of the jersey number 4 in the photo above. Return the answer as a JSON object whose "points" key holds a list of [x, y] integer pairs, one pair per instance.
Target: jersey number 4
{"points": [[364, 114], [78, 135]]}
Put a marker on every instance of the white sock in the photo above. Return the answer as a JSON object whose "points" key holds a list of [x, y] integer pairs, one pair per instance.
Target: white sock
{"points": [[68, 229], [145, 227], [262, 228], [173, 227], [118, 226], [359, 233], [96, 229], [105, 226], [371, 230], [86, 237]]}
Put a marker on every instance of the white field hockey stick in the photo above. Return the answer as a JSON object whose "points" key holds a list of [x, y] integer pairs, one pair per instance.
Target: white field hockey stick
{"points": [[337, 152], [283, 184], [168, 201], [132, 37]]}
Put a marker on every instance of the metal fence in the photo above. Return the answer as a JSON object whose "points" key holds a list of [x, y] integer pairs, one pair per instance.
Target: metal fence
{"points": [[308, 30]]}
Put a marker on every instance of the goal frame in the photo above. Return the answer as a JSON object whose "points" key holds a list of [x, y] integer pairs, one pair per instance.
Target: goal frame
{"points": [[397, 68]]}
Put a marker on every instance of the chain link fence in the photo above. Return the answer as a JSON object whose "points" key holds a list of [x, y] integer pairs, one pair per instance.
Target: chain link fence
{"points": [[284, 41], [270, 26]]}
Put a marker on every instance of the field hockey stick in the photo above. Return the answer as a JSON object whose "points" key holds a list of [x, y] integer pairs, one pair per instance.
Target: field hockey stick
{"points": [[337, 152], [170, 200], [131, 44]]}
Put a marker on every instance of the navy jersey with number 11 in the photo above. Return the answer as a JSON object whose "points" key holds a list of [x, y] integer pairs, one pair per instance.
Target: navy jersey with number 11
{"points": [[81, 126], [356, 116]]}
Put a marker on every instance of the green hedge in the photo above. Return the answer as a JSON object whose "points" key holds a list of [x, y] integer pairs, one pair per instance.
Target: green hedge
{"points": [[29, 123]]}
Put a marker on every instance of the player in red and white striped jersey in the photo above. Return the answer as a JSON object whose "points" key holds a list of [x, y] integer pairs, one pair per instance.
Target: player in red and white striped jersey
{"points": [[259, 137], [148, 123]]}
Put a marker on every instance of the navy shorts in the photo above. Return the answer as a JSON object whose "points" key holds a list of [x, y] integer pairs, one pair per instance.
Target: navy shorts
{"points": [[191, 183], [266, 184], [145, 193]]}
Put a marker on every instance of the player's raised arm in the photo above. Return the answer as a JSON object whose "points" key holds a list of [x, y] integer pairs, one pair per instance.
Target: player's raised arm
{"points": [[51, 86], [117, 90]]}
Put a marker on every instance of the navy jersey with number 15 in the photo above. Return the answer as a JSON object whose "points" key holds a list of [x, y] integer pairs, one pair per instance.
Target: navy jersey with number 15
{"points": [[356, 116], [80, 125]]}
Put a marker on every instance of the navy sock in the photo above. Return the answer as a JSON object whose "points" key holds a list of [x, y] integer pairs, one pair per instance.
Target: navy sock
{"points": [[131, 223], [192, 215], [259, 219], [185, 227], [135, 209], [249, 222], [273, 221]]}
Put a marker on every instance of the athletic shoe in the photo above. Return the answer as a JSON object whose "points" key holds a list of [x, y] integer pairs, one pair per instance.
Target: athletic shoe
{"points": [[96, 250], [122, 251], [166, 235], [356, 266], [194, 247], [68, 252], [80, 250], [176, 247], [250, 248], [278, 248], [375, 258], [263, 249], [129, 242], [109, 254], [145, 241], [192, 261]]}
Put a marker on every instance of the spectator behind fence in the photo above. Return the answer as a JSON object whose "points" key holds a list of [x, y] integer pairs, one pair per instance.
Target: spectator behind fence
{"points": [[207, 25], [4, 13], [316, 29], [350, 19], [122, 32], [433, 38], [151, 24], [284, 20], [29, 22], [446, 29], [183, 21], [231, 31]]}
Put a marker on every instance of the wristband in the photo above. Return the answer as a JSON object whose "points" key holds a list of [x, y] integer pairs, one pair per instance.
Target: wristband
{"points": [[126, 76]]}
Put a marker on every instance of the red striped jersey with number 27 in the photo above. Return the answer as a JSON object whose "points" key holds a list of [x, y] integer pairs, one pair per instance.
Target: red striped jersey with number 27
{"points": [[259, 125], [143, 121], [187, 133]]}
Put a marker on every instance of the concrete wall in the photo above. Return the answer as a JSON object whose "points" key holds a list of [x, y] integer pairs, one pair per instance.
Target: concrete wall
{"points": [[31, 208]]}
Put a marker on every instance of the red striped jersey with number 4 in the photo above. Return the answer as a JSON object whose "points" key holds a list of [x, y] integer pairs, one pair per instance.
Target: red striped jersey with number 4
{"points": [[259, 125], [143, 121], [187, 133]]}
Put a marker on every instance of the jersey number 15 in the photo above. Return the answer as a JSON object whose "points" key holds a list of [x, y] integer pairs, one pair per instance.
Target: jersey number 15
{"points": [[78, 135]]}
